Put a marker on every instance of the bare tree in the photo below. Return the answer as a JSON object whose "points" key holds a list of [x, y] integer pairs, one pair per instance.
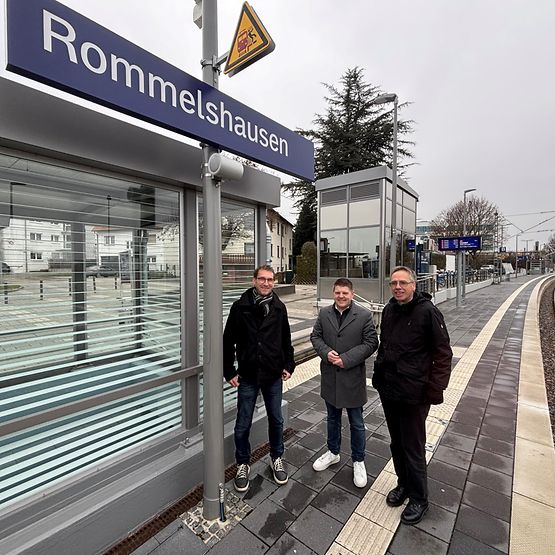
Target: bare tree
{"points": [[549, 246], [479, 217]]}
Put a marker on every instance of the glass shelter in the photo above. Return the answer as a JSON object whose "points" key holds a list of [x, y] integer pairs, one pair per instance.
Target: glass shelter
{"points": [[354, 230], [101, 318]]}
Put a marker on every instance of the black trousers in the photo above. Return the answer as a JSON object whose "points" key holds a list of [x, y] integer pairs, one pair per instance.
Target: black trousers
{"points": [[407, 428]]}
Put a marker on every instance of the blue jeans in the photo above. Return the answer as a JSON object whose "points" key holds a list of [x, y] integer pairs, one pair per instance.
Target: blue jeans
{"points": [[358, 432], [246, 401]]}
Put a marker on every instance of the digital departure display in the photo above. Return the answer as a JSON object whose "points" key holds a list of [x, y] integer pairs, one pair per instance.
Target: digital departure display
{"points": [[467, 243]]}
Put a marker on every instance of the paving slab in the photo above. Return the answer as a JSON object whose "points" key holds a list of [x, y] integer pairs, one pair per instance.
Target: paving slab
{"points": [[410, 539], [268, 522], [315, 529], [293, 497], [336, 502], [239, 540], [483, 527]]}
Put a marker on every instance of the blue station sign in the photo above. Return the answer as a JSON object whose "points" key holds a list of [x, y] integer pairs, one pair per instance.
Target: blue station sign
{"points": [[50, 43]]}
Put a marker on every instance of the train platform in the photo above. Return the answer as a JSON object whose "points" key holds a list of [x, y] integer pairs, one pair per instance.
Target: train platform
{"points": [[491, 459]]}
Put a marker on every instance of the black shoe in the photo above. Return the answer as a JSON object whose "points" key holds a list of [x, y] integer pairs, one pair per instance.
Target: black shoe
{"points": [[241, 481], [280, 476], [414, 512], [396, 497]]}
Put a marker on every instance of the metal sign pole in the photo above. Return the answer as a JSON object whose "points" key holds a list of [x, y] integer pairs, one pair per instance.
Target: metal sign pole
{"points": [[213, 430], [459, 277]]}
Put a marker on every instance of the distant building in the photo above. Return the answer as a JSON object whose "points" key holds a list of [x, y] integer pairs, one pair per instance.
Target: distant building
{"points": [[280, 243], [424, 235]]}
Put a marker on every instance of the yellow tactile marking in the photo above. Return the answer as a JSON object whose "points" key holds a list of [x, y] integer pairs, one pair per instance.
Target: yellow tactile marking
{"points": [[531, 527], [374, 508], [533, 502], [337, 549], [534, 423], [364, 536], [383, 484], [303, 373], [458, 352]]}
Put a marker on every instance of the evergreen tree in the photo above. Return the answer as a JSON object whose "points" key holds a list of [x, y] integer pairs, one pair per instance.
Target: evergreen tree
{"points": [[306, 264], [305, 228], [352, 135]]}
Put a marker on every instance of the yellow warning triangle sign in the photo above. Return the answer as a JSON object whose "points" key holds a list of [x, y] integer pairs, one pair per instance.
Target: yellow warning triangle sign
{"points": [[250, 42]]}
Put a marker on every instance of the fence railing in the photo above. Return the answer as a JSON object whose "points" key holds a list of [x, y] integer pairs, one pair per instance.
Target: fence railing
{"points": [[431, 283], [375, 308]]}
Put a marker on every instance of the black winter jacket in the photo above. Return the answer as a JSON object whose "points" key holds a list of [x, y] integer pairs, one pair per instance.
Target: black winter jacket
{"points": [[262, 345], [413, 364]]}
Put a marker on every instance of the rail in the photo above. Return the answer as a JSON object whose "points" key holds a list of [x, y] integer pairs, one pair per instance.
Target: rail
{"points": [[431, 283], [375, 308]]}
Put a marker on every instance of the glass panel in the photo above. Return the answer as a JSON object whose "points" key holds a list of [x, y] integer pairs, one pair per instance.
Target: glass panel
{"points": [[333, 217], [364, 212], [407, 256], [388, 213], [388, 189], [238, 264], [43, 455], [364, 249], [387, 254], [409, 221], [333, 253], [399, 216], [398, 252], [90, 295], [409, 202]]}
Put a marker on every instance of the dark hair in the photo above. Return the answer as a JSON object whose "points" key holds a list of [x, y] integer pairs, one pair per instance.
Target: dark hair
{"points": [[343, 282], [264, 267], [410, 271]]}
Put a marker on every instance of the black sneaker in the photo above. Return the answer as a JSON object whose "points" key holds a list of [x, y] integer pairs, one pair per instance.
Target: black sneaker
{"points": [[241, 481], [280, 476]]}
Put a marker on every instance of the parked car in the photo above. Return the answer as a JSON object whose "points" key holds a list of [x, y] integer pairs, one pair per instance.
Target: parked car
{"points": [[6, 268], [488, 267], [104, 270]]}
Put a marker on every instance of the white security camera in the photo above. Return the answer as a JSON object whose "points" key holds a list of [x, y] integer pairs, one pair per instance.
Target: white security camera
{"points": [[224, 168]]}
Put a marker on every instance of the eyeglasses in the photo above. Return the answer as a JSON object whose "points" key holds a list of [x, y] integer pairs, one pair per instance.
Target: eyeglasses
{"points": [[265, 280], [401, 283]]}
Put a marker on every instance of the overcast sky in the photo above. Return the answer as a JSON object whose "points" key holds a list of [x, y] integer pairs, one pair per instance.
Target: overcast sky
{"points": [[479, 74]]}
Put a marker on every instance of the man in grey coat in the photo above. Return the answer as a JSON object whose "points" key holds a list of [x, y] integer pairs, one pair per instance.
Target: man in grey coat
{"points": [[344, 336]]}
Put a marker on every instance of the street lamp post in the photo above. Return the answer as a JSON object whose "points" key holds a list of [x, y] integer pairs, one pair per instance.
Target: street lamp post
{"points": [[464, 234], [384, 99]]}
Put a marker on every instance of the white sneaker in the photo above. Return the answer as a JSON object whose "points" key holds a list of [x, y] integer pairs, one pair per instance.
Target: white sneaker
{"points": [[360, 478], [327, 459]]}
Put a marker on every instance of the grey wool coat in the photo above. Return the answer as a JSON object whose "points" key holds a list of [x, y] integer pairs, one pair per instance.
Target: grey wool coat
{"points": [[355, 341]]}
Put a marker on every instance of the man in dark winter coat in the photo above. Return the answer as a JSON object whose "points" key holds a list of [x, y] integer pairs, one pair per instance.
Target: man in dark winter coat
{"points": [[257, 333], [411, 371], [344, 336]]}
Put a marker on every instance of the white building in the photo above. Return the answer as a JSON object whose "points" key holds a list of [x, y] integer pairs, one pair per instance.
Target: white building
{"points": [[35, 246], [280, 241]]}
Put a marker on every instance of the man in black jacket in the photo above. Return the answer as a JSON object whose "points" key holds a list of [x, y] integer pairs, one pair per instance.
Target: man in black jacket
{"points": [[258, 335], [411, 371]]}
